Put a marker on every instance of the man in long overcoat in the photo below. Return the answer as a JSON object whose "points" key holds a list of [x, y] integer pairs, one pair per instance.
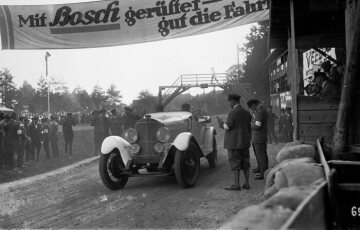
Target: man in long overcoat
{"points": [[237, 140], [68, 132]]}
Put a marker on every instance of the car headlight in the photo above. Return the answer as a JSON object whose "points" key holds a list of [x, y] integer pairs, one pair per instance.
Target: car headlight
{"points": [[135, 148], [163, 134], [131, 135], [159, 147]]}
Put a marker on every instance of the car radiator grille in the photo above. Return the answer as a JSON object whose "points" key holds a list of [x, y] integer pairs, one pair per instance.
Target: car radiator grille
{"points": [[146, 129]]}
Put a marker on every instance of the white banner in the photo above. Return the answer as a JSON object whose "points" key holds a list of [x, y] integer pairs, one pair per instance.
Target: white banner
{"points": [[112, 23]]}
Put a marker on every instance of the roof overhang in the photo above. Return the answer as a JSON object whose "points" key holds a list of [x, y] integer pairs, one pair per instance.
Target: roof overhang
{"points": [[319, 23]]}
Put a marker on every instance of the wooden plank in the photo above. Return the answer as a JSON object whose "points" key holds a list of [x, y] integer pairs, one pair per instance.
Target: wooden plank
{"points": [[307, 103], [320, 40], [312, 139], [352, 71], [293, 71], [310, 214], [317, 117], [316, 129]]}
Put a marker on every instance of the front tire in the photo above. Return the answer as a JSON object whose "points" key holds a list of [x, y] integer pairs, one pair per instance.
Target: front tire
{"points": [[187, 166], [111, 169], [212, 157]]}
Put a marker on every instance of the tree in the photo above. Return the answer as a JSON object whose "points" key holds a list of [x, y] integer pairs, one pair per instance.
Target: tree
{"points": [[113, 96], [7, 86], [25, 95], [254, 68], [98, 97], [145, 102]]}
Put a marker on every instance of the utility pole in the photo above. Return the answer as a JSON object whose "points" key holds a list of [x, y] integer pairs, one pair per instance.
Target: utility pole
{"points": [[47, 55]]}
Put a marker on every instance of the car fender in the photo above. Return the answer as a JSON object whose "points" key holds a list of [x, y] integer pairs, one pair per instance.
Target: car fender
{"points": [[182, 141], [119, 143], [207, 137]]}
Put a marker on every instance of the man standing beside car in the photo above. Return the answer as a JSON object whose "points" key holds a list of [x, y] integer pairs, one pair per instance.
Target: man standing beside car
{"points": [[259, 136], [237, 140]]}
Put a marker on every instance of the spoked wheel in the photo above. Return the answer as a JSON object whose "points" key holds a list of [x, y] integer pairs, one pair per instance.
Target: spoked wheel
{"points": [[111, 168], [187, 166], [212, 157]]}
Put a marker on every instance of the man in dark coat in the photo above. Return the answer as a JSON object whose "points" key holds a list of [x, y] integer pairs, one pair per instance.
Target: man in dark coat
{"points": [[271, 126], [99, 131], [237, 140], [289, 125], [36, 138], [129, 119], [53, 136], [23, 142], [46, 139], [12, 139], [259, 136], [68, 132], [115, 123]]}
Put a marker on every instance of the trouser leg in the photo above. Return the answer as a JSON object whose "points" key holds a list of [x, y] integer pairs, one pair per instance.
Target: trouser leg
{"points": [[20, 160], [70, 147], [66, 146], [262, 157], [47, 149], [256, 155], [246, 175]]}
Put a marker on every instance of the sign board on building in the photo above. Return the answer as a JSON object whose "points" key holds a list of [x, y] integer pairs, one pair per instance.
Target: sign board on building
{"points": [[312, 61]]}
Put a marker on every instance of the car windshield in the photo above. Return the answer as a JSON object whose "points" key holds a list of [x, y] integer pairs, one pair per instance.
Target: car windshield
{"points": [[167, 117]]}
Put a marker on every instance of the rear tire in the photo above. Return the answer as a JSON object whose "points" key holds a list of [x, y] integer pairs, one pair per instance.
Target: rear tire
{"points": [[187, 166], [212, 157], [111, 169]]}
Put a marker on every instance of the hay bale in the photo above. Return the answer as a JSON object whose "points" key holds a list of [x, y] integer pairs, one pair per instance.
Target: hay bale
{"points": [[295, 151], [270, 173], [258, 217], [297, 142], [299, 174]]}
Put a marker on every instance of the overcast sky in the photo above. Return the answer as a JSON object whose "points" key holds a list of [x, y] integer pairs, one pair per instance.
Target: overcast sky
{"points": [[133, 67]]}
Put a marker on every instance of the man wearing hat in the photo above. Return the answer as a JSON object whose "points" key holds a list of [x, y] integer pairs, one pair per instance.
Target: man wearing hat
{"points": [[259, 136], [289, 125], [45, 134], [12, 139], [35, 136], [68, 132], [129, 119], [115, 123], [326, 86], [237, 140], [53, 129]]}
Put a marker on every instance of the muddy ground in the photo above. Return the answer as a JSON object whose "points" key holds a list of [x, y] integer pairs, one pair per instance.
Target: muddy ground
{"points": [[78, 199]]}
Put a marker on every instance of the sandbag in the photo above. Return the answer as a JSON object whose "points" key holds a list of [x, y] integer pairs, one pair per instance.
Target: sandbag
{"points": [[289, 197], [258, 217], [298, 174], [295, 151], [293, 143], [270, 173]]}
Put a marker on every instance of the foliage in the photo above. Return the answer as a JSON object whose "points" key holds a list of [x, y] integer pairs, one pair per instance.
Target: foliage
{"points": [[254, 68], [8, 89], [145, 102]]}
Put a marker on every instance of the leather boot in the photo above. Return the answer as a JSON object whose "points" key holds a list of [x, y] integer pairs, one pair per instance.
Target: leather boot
{"points": [[236, 185]]}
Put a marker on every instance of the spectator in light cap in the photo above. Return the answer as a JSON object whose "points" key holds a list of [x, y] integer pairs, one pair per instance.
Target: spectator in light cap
{"points": [[237, 140]]}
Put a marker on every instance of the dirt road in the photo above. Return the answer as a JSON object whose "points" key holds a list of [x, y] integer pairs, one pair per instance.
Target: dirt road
{"points": [[78, 199]]}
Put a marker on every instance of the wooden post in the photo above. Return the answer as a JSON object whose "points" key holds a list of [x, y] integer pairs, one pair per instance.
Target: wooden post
{"points": [[352, 28], [292, 52]]}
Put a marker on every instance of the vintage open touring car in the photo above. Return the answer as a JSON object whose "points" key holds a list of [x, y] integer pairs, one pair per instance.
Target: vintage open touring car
{"points": [[162, 143]]}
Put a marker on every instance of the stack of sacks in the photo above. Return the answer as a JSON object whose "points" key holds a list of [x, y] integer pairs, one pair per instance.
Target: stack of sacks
{"points": [[295, 150], [258, 217], [292, 173], [274, 212]]}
